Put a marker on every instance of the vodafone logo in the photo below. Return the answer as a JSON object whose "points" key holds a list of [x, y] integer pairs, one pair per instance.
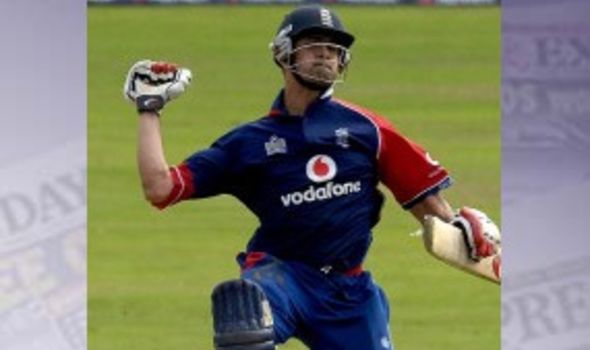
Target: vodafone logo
{"points": [[321, 168]]}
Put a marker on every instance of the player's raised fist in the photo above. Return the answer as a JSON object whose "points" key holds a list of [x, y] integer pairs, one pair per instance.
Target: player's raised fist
{"points": [[151, 84]]}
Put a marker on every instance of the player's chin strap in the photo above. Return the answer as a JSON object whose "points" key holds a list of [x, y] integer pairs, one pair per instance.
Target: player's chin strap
{"points": [[310, 84], [315, 83], [284, 59]]}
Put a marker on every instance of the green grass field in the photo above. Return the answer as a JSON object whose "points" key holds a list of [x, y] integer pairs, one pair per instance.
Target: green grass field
{"points": [[433, 71]]}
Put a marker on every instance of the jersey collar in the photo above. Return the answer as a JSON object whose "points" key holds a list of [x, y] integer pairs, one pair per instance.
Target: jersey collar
{"points": [[278, 107]]}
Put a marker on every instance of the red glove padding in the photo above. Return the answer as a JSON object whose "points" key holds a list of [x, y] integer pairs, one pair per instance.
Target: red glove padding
{"points": [[473, 223]]}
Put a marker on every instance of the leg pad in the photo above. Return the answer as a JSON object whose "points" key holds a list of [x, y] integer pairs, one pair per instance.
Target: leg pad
{"points": [[242, 319]]}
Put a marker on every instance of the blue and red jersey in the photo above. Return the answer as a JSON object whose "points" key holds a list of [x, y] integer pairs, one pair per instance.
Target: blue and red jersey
{"points": [[312, 180]]}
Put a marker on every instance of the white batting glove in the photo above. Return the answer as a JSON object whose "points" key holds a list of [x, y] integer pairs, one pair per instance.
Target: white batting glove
{"points": [[481, 234], [150, 85]]}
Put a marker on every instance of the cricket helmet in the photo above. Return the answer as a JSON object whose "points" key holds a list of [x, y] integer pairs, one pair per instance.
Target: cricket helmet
{"points": [[307, 20]]}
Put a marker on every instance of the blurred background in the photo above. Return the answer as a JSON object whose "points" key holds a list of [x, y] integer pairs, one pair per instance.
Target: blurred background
{"points": [[546, 174]]}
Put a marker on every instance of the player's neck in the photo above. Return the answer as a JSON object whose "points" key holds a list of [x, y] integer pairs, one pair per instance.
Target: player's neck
{"points": [[297, 98]]}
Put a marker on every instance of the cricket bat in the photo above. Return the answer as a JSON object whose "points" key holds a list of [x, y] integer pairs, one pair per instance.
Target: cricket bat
{"points": [[445, 242]]}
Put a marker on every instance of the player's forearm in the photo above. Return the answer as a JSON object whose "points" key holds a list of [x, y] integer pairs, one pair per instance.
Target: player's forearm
{"points": [[153, 168], [434, 205]]}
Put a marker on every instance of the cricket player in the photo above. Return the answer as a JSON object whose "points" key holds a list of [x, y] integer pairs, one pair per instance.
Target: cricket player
{"points": [[309, 171]]}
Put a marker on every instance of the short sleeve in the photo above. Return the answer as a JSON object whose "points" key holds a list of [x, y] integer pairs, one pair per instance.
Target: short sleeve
{"points": [[213, 171], [406, 168], [409, 172]]}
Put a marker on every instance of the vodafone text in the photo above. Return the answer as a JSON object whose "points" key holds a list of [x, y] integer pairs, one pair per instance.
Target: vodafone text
{"points": [[312, 194]]}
